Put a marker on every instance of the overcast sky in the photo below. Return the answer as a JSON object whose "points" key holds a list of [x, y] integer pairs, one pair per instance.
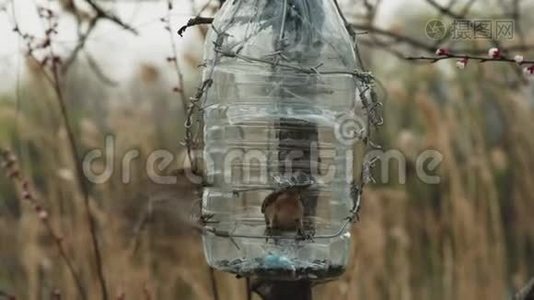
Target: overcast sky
{"points": [[117, 51]]}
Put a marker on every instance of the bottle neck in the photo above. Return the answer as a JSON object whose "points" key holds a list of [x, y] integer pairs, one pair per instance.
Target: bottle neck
{"points": [[304, 32], [297, 29]]}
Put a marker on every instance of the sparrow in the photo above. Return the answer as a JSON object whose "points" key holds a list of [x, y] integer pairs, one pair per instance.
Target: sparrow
{"points": [[284, 211]]}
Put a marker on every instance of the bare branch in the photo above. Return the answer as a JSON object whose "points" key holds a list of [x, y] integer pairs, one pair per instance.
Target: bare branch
{"points": [[51, 67], [422, 46], [194, 22], [97, 70], [179, 88], [395, 36], [481, 59], [445, 10], [494, 55], [27, 193], [82, 39], [101, 13]]}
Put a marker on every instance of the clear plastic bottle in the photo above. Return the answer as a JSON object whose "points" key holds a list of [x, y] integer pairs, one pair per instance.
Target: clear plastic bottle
{"points": [[281, 88]]}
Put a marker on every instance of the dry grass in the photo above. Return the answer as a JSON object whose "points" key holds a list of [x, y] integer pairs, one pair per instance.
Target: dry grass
{"points": [[469, 237]]}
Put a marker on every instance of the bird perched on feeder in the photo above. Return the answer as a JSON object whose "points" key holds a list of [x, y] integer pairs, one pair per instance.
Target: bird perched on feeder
{"points": [[284, 211]]}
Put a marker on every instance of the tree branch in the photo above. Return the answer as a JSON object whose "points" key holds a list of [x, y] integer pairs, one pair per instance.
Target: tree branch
{"points": [[395, 36], [194, 22], [101, 13], [445, 10], [481, 59], [26, 192], [82, 39], [419, 45]]}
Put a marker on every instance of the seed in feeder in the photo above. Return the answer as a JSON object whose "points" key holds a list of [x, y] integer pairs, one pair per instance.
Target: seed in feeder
{"points": [[278, 262]]}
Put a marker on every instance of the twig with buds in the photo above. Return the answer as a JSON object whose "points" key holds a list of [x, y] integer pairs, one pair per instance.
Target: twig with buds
{"points": [[494, 55], [50, 67], [26, 193], [179, 88]]}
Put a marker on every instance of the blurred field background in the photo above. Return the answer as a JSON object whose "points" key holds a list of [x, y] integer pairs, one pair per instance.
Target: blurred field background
{"points": [[469, 237]]}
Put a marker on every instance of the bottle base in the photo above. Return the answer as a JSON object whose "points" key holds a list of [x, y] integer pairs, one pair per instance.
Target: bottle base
{"points": [[281, 268]]}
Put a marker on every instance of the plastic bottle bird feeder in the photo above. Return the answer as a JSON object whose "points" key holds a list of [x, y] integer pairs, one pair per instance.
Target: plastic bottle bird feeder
{"points": [[286, 108]]}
